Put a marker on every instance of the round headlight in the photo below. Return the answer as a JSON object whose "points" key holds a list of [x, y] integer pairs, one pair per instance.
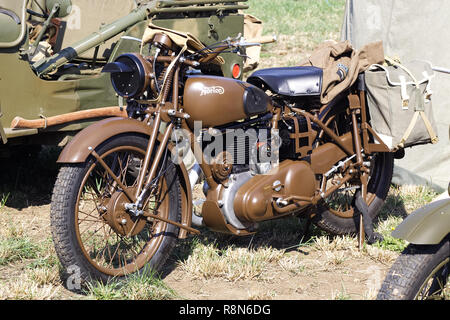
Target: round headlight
{"points": [[130, 75]]}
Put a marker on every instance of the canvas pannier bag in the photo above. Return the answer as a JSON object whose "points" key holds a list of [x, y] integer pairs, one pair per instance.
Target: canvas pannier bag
{"points": [[399, 102]]}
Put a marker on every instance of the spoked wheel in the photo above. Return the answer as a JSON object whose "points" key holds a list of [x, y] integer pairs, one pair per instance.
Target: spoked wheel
{"points": [[421, 272], [92, 227], [337, 214]]}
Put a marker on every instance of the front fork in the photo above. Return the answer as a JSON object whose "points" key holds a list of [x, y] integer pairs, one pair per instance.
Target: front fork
{"points": [[146, 182]]}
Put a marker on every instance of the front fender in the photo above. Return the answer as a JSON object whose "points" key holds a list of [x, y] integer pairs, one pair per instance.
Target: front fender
{"points": [[427, 225], [78, 151]]}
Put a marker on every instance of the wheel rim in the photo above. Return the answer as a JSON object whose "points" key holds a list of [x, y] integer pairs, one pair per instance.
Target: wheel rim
{"points": [[107, 250], [436, 286]]}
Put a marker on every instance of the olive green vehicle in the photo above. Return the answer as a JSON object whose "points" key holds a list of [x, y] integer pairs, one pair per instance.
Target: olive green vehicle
{"points": [[422, 271], [52, 53]]}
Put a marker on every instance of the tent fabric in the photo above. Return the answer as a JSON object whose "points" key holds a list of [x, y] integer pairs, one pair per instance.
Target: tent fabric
{"points": [[411, 30]]}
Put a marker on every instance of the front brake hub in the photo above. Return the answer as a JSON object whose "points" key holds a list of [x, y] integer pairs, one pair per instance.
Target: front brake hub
{"points": [[120, 219]]}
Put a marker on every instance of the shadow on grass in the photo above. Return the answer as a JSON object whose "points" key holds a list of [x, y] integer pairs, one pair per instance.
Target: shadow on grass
{"points": [[28, 176], [282, 234]]}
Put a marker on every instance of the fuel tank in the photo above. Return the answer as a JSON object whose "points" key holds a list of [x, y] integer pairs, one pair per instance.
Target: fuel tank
{"points": [[216, 101]]}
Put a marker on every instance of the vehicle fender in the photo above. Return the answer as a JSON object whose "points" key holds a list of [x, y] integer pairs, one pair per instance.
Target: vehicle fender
{"points": [[427, 225], [78, 151]]}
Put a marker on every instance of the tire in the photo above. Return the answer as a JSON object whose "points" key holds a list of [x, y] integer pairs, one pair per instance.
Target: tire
{"points": [[412, 271], [378, 188], [76, 253]]}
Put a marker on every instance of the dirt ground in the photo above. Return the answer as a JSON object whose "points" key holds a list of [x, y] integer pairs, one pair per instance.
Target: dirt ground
{"points": [[354, 279], [316, 275]]}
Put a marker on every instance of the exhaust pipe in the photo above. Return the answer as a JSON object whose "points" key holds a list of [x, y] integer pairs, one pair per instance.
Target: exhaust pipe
{"points": [[194, 177]]}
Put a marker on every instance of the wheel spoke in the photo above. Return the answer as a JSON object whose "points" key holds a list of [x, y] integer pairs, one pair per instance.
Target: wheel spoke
{"points": [[113, 247]]}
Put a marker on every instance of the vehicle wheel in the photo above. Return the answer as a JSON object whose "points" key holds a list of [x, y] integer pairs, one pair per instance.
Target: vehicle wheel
{"points": [[92, 232], [337, 214], [421, 272]]}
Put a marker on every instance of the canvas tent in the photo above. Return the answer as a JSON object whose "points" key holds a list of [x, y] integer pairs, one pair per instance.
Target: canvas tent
{"points": [[411, 29]]}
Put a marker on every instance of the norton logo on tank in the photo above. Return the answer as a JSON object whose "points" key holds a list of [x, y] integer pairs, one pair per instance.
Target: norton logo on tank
{"points": [[212, 90]]}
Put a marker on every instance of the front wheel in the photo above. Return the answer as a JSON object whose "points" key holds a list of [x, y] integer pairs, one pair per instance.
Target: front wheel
{"points": [[421, 272], [92, 231]]}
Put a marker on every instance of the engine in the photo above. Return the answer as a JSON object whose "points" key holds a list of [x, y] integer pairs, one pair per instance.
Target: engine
{"points": [[257, 169], [239, 147], [236, 153]]}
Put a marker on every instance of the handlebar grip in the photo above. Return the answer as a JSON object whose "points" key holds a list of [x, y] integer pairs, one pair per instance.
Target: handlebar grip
{"points": [[264, 39]]}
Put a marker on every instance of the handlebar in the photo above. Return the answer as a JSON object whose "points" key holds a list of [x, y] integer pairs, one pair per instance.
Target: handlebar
{"points": [[208, 54], [233, 43]]}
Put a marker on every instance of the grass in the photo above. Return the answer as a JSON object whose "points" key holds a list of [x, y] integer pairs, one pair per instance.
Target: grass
{"points": [[135, 287], [315, 18], [300, 25], [15, 245], [17, 249], [212, 256], [4, 199], [233, 263]]}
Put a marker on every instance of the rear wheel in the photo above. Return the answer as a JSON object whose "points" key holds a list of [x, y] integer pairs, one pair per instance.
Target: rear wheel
{"points": [[337, 214], [92, 231]]}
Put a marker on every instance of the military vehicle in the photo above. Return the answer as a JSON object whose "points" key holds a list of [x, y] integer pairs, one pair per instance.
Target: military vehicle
{"points": [[52, 53], [422, 271]]}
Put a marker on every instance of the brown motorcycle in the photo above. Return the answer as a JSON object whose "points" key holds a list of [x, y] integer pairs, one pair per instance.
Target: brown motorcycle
{"points": [[263, 149]]}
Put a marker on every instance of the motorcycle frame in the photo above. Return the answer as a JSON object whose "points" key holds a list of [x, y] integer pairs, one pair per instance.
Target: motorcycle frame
{"points": [[171, 112]]}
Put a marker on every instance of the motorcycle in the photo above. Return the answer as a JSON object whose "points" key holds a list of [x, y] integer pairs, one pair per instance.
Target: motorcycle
{"points": [[421, 272], [264, 149]]}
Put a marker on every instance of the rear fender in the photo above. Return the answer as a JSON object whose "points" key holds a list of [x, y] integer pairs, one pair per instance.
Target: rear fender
{"points": [[427, 225], [78, 151]]}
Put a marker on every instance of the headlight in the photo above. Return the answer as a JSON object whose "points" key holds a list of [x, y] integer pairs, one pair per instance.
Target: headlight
{"points": [[130, 75]]}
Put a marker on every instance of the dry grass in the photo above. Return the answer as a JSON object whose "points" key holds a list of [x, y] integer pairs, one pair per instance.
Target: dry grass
{"points": [[34, 284], [292, 263], [231, 264], [268, 295]]}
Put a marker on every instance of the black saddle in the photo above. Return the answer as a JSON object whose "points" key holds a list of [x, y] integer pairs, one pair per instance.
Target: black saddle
{"points": [[290, 81]]}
